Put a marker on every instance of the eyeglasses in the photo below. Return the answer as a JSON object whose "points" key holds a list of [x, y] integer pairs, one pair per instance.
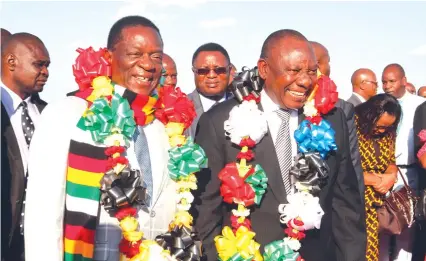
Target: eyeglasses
{"points": [[372, 82], [205, 71], [384, 128]]}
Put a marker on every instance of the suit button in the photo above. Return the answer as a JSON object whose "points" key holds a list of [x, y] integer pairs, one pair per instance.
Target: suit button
{"points": [[152, 214]]}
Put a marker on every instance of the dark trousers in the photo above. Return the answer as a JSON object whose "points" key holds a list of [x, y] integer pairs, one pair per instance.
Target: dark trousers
{"points": [[16, 251]]}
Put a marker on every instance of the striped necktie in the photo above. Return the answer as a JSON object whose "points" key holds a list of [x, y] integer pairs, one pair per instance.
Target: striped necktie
{"points": [[283, 148], [144, 160]]}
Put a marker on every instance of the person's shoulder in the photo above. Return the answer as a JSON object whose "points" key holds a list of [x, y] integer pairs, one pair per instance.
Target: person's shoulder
{"points": [[65, 107], [222, 108]]}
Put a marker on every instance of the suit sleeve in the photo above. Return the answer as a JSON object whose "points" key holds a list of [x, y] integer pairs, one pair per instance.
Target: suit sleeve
{"points": [[45, 200], [348, 214], [354, 149], [208, 210]]}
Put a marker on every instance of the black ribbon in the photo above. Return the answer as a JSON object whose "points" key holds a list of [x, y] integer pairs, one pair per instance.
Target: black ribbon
{"points": [[122, 190], [183, 243], [310, 170], [246, 82]]}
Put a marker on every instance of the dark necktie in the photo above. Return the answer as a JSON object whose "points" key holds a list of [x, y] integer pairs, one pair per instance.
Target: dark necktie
{"points": [[144, 160], [28, 129], [283, 148]]}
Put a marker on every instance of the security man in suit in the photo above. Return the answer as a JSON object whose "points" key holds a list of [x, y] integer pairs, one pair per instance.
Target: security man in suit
{"points": [[323, 59], [364, 86], [25, 61], [212, 71]]}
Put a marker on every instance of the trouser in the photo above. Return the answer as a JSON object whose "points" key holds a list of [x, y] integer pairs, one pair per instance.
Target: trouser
{"points": [[403, 246]]}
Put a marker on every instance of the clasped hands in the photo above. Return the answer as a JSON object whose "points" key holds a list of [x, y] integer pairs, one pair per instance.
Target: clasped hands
{"points": [[382, 183]]}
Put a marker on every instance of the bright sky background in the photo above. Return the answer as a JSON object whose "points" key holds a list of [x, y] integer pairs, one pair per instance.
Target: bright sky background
{"points": [[357, 34]]}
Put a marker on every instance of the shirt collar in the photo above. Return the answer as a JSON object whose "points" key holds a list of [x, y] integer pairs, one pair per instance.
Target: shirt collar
{"points": [[405, 96], [10, 99], [268, 105], [362, 99]]}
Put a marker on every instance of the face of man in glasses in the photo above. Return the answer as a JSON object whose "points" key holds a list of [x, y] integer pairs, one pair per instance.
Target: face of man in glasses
{"points": [[369, 83], [211, 73]]}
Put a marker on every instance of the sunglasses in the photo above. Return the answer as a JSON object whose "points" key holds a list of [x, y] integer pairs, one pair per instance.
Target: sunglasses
{"points": [[205, 71]]}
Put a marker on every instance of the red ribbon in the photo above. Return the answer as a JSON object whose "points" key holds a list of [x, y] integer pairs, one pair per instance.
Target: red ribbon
{"points": [[129, 249], [112, 162], [89, 65], [315, 119], [114, 149], [125, 212], [251, 97], [249, 155], [295, 233], [236, 225], [247, 142], [326, 95], [234, 188], [174, 106]]}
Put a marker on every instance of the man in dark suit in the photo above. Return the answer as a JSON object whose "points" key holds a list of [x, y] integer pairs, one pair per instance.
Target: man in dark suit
{"points": [[25, 62], [323, 60], [364, 86], [212, 69], [288, 67]]}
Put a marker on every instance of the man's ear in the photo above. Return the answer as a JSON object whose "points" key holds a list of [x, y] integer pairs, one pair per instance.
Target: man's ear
{"points": [[11, 62], [263, 68], [404, 81]]}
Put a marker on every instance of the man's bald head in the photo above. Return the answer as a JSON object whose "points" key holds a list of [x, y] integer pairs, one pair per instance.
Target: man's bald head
{"points": [[5, 34], [422, 91], [170, 73], [323, 57], [25, 60], [276, 36], [364, 83], [410, 88]]}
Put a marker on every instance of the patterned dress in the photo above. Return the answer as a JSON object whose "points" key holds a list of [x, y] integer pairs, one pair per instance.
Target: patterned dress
{"points": [[376, 156]]}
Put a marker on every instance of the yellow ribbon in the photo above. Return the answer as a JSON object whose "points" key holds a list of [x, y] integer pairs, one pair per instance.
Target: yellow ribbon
{"points": [[241, 243], [182, 218], [174, 130], [129, 224], [101, 87]]}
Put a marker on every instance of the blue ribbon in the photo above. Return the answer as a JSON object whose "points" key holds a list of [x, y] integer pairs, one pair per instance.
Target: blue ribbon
{"points": [[315, 138]]}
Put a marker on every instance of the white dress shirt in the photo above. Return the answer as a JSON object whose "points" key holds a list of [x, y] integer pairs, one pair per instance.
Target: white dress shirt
{"points": [[11, 102], [362, 99], [46, 189], [208, 103], [274, 121], [404, 149]]}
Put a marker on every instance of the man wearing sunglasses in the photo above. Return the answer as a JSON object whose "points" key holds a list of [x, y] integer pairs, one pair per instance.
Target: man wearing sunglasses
{"points": [[212, 68], [364, 86]]}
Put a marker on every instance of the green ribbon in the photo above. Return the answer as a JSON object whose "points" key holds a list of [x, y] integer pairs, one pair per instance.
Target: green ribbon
{"points": [[107, 118], [258, 182], [237, 257], [186, 159], [278, 251]]}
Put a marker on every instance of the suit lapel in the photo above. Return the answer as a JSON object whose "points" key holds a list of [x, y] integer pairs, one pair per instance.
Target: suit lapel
{"points": [[39, 103], [15, 162], [300, 115]]}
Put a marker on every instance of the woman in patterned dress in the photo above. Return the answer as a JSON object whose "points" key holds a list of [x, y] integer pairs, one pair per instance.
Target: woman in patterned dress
{"points": [[377, 121]]}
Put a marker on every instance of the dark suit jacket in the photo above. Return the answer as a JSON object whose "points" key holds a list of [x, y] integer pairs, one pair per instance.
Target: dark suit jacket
{"points": [[354, 100], [12, 185], [195, 98], [342, 235], [349, 111], [419, 124]]}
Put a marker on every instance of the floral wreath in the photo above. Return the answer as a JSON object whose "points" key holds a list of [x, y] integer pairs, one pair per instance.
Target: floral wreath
{"points": [[245, 185], [112, 121]]}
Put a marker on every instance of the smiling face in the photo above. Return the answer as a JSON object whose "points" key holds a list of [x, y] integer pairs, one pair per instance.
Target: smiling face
{"points": [[289, 72], [136, 60], [211, 73]]}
